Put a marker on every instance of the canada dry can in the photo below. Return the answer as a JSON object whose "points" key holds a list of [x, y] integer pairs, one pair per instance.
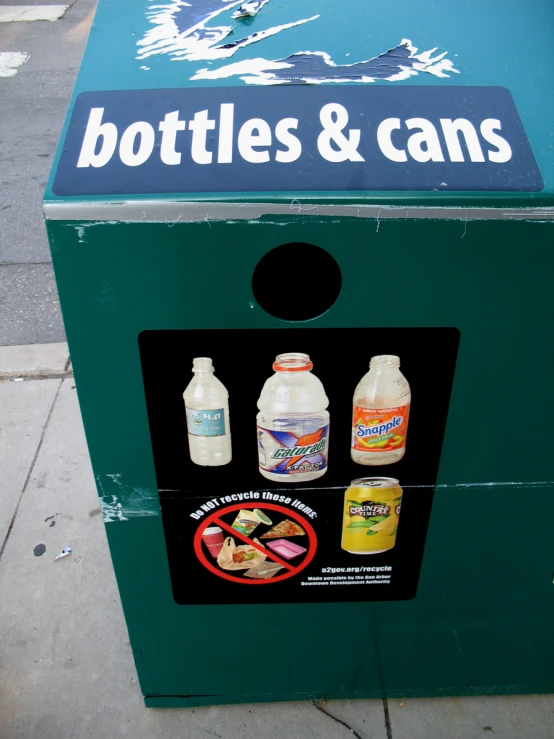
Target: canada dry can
{"points": [[371, 514]]}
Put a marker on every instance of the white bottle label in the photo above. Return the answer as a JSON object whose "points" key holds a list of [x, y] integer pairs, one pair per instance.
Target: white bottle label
{"points": [[285, 453], [206, 423]]}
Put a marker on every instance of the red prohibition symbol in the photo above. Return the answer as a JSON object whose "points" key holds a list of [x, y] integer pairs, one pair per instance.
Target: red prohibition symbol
{"points": [[214, 519]]}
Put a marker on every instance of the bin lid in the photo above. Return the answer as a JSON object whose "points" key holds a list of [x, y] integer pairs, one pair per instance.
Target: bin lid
{"points": [[218, 104]]}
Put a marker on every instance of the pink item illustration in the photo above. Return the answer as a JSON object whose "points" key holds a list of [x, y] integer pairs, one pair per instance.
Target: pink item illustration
{"points": [[286, 549]]}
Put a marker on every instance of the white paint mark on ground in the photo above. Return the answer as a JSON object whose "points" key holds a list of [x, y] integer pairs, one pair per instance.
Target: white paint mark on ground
{"points": [[28, 13], [10, 61]]}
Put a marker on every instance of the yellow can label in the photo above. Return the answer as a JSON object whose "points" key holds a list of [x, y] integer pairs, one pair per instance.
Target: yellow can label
{"points": [[370, 519]]}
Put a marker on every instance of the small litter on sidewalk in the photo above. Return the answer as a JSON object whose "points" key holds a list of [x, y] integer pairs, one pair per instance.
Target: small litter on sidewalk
{"points": [[64, 553]]}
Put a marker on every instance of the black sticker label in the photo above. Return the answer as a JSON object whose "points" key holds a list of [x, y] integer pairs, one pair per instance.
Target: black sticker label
{"points": [[235, 536], [296, 139]]}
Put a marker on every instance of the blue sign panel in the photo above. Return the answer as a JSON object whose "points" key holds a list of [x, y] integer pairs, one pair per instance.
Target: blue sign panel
{"points": [[297, 138]]}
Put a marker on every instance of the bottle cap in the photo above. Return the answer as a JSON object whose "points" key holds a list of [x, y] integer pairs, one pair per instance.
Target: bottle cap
{"points": [[385, 360], [202, 364], [293, 362]]}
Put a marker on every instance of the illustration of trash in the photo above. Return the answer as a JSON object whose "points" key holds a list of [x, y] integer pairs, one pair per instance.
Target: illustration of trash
{"points": [[242, 557]]}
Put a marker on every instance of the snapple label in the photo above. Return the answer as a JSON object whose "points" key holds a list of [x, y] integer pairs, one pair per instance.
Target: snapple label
{"points": [[379, 429]]}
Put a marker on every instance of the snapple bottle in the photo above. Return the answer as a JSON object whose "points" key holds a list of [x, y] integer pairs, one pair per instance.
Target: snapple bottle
{"points": [[293, 423], [380, 416]]}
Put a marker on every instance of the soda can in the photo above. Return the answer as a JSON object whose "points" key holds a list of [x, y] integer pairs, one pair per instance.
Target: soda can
{"points": [[371, 514]]}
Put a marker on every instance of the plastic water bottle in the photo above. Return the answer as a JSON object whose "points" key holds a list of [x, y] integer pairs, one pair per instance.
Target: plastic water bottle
{"points": [[293, 423], [207, 409], [380, 417]]}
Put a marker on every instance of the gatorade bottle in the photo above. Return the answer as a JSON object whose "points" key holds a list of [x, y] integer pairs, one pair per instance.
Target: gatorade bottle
{"points": [[293, 425], [207, 409], [380, 418]]}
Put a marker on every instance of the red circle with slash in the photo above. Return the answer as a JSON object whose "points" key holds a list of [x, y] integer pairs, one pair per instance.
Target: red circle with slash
{"points": [[215, 520]]}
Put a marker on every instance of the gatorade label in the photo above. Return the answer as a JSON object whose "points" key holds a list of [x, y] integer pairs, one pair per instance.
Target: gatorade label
{"points": [[379, 430], [285, 453], [206, 423]]}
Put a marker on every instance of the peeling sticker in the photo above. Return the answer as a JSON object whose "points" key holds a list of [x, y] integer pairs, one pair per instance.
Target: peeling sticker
{"points": [[317, 67], [193, 31], [180, 27], [250, 9], [129, 502], [81, 229], [111, 509], [227, 50], [184, 31], [170, 212]]}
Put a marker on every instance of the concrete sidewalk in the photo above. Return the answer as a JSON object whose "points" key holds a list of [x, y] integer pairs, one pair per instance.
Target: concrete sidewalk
{"points": [[66, 669]]}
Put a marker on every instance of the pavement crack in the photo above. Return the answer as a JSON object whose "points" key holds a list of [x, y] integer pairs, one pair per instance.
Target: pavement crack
{"points": [[31, 468], [338, 720], [39, 375], [388, 727]]}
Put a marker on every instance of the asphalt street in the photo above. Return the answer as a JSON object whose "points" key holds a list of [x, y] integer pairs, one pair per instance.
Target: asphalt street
{"points": [[33, 104]]}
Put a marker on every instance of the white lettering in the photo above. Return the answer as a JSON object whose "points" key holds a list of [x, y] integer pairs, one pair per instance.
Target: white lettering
{"points": [[225, 145], [384, 140], [94, 130], [428, 138], [146, 144], [504, 150], [334, 119], [288, 139], [169, 127], [248, 139], [463, 140], [450, 129], [200, 125]]}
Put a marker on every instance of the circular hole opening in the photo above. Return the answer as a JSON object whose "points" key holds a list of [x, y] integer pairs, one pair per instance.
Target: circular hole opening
{"points": [[296, 281]]}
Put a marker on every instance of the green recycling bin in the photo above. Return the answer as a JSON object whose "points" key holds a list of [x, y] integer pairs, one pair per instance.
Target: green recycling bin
{"points": [[285, 195]]}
